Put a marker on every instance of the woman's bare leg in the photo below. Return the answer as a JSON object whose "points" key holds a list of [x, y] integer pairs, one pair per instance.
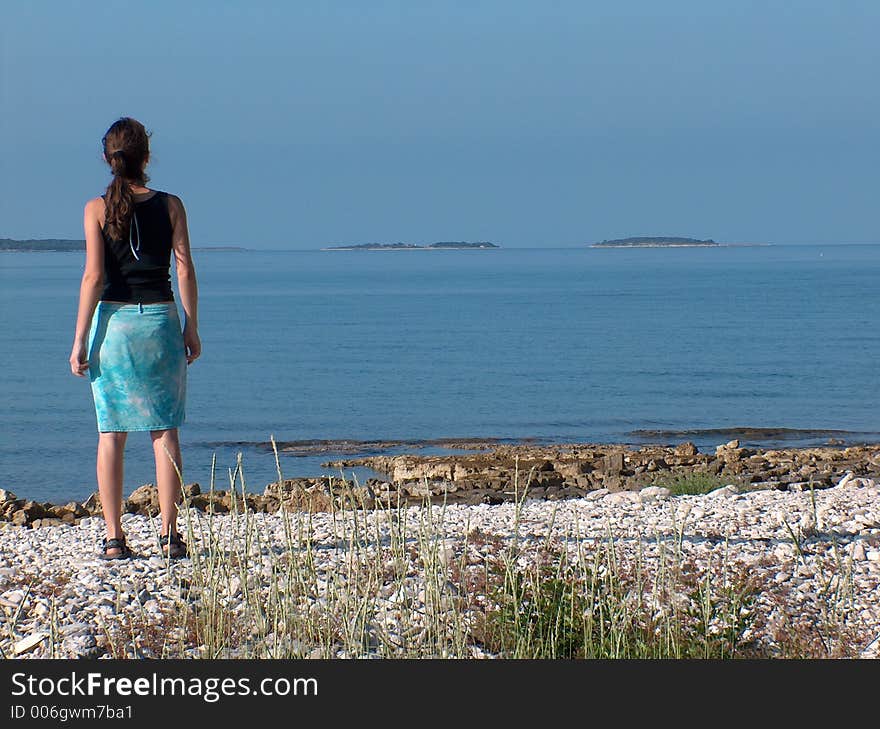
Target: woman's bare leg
{"points": [[166, 449], [111, 449]]}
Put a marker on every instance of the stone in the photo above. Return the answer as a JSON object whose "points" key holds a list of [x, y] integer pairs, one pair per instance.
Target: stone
{"points": [[623, 497], [849, 476], [686, 449], [81, 646], [858, 552], [28, 643], [75, 629], [6, 495], [34, 510], [143, 500], [654, 493], [93, 504], [613, 463], [47, 522], [12, 598], [725, 492]]}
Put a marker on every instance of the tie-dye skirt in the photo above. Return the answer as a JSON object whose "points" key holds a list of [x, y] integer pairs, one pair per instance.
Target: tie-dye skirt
{"points": [[137, 367]]}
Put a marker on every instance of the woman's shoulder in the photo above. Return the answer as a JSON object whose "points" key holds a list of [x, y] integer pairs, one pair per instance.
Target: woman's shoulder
{"points": [[95, 206], [175, 204]]}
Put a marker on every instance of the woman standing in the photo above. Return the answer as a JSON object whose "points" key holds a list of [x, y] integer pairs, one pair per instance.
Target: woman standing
{"points": [[128, 334]]}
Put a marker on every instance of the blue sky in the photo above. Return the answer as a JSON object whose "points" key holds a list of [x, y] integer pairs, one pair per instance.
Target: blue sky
{"points": [[297, 125]]}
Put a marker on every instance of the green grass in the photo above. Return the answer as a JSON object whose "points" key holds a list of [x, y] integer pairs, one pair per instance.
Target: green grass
{"points": [[600, 607], [406, 584], [692, 484]]}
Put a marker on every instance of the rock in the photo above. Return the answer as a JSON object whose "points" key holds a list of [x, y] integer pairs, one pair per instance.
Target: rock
{"points": [[81, 646], [47, 522], [93, 504], [613, 463], [849, 476], [873, 555], [29, 643], [686, 449], [19, 518], [34, 510], [654, 493], [725, 492], [12, 598], [730, 452], [69, 512], [597, 494], [7, 496], [623, 497], [872, 650], [76, 629], [143, 500], [858, 552]]}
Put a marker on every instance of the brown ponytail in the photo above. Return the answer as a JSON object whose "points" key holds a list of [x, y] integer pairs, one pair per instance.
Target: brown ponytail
{"points": [[127, 149]]}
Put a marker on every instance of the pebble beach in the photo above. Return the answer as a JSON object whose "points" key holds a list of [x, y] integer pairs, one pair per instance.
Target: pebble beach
{"points": [[814, 557]]}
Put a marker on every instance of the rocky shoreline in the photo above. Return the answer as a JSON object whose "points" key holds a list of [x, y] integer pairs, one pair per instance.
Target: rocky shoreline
{"points": [[495, 474], [813, 559]]}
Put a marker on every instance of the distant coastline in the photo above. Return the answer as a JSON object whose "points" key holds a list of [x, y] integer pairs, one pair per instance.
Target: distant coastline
{"points": [[445, 245], [55, 245], [43, 244]]}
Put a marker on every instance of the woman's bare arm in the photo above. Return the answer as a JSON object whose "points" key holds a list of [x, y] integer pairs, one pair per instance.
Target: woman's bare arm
{"points": [[186, 278], [91, 286]]}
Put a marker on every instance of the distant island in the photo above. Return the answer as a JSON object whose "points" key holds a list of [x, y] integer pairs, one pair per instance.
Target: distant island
{"points": [[654, 241], [446, 245], [43, 244]]}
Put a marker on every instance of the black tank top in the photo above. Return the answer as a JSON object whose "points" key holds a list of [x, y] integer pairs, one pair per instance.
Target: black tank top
{"points": [[137, 267]]}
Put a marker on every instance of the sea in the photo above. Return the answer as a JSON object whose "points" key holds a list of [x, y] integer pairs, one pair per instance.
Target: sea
{"points": [[777, 345]]}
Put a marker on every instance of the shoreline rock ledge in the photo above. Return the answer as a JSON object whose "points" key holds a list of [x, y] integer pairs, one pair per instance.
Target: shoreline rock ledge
{"points": [[497, 474]]}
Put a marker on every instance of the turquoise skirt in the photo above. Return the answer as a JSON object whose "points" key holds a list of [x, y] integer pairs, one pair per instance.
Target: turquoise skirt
{"points": [[137, 367]]}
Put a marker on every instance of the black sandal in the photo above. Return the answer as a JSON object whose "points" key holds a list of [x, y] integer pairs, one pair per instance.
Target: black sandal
{"points": [[176, 546], [117, 543]]}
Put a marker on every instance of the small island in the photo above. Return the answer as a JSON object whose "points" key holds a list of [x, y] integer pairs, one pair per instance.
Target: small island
{"points": [[446, 245], [43, 244], [655, 241]]}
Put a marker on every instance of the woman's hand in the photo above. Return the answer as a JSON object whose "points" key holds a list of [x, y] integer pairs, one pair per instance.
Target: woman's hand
{"points": [[192, 343], [79, 361]]}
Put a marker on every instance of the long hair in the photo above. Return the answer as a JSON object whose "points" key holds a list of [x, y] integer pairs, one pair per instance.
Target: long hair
{"points": [[127, 148]]}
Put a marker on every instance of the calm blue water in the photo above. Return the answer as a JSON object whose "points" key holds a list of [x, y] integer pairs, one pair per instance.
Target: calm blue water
{"points": [[568, 344]]}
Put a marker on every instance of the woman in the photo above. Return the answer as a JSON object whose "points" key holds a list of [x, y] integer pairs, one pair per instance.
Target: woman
{"points": [[128, 335]]}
